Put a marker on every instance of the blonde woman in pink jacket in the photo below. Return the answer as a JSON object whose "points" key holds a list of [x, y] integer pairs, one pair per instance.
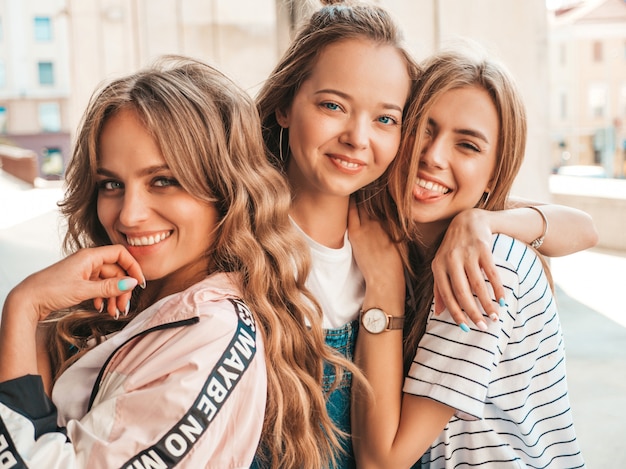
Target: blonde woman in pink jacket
{"points": [[147, 345]]}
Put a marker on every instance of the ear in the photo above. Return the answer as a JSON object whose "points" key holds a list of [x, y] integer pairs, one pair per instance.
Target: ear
{"points": [[282, 117]]}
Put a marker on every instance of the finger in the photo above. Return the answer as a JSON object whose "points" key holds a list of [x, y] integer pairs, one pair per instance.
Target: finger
{"points": [[448, 300], [438, 300], [491, 272], [118, 292], [117, 254], [466, 300], [98, 303], [479, 287]]}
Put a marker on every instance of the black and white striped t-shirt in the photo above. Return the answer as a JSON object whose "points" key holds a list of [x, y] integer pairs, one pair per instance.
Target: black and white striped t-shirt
{"points": [[508, 384]]}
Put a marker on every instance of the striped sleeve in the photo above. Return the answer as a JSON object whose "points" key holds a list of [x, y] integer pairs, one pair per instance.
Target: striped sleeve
{"points": [[455, 367]]}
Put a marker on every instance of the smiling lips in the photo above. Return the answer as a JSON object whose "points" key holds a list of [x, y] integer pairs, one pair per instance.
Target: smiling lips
{"points": [[432, 186], [147, 240]]}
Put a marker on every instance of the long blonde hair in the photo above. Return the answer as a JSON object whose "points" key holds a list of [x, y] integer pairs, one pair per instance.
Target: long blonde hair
{"points": [[442, 72], [209, 133]]}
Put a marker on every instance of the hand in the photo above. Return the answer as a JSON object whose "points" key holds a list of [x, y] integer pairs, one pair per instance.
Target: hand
{"points": [[460, 266], [378, 259], [95, 273]]}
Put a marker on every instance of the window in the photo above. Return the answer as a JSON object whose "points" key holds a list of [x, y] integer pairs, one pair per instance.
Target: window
{"points": [[3, 120], [597, 100], [49, 117], [46, 73], [597, 51], [43, 29]]}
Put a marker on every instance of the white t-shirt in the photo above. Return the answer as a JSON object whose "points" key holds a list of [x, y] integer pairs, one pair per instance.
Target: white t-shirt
{"points": [[508, 384], [336, 282]]}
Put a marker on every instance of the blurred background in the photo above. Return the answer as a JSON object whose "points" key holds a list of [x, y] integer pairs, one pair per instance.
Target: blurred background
{"points": [[569, 57]]}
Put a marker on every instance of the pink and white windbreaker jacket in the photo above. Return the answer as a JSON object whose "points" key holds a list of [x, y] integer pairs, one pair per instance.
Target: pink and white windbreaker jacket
{"points": [[182, 385]]}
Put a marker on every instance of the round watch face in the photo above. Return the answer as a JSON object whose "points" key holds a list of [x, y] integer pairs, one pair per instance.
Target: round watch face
{"points": [[374, 320]]}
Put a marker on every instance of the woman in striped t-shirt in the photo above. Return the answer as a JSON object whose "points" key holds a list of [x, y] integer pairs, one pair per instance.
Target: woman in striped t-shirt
{"points": [[494, 395]]}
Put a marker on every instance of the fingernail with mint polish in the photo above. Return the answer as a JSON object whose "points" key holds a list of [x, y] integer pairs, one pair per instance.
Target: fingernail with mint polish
{"points": [[464, 327], [501, 302], [127, 284]]}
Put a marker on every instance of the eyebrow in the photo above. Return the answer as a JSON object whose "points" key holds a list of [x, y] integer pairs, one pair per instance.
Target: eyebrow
{"points": [[468, 132], [347, 96], [144, 172]]}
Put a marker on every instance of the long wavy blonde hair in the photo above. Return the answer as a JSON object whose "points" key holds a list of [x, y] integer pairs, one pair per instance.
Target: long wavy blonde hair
{"points": [[209, 133], [442, 72]]}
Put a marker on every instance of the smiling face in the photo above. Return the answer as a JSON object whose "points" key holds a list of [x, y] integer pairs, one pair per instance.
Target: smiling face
{"points": [[458, 158], [345, 120], [143, 207]]}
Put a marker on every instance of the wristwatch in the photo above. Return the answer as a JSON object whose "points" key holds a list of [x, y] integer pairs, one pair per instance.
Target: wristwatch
{"points": [[375, 321]]}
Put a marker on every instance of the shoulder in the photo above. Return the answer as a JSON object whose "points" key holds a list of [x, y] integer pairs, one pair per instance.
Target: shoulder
{"points": [[209, 297]]}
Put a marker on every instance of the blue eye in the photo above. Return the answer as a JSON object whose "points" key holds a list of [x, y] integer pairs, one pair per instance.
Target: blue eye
{"points": [[109, 185], [332, 106], [165, 182], [387, 120]]}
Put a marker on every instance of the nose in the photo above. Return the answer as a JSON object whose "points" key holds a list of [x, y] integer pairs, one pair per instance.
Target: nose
{"points": [[356, 133], [134, 207], [433, 153]]}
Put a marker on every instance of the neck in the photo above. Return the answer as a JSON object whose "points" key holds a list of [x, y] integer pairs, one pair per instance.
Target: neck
{"points": [[323, 218]]}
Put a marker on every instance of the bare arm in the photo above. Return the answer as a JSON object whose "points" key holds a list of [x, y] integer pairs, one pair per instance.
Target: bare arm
{"points": [[464, 253], [389, 430], [70, 281]]}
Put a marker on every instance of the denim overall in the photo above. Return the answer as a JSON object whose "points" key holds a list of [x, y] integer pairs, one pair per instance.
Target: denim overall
{"points": [[343, 340]]}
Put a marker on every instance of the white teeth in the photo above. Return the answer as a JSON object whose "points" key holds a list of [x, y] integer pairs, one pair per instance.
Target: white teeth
{"points": [[148, 240], [346, 164], [432, 186]]}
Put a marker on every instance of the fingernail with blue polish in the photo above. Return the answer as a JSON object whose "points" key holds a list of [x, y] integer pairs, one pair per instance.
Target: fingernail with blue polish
{"points": [[464, 327], [126, 284], [501, 302]]}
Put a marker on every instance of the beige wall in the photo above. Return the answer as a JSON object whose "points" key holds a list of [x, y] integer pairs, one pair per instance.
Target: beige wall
{"points": [[114, 37]]}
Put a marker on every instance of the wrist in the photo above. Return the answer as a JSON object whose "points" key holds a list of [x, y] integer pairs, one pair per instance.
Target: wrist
{"points": [[19, 306]]}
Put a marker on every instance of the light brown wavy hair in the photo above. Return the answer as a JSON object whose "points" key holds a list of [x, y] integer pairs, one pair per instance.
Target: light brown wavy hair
{"points": [[209, 133], [335, 21], [442, 72]]}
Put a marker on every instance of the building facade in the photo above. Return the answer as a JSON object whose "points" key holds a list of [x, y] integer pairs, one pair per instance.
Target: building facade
{"points": [[588, 83], [35, 80], [95, 40]]}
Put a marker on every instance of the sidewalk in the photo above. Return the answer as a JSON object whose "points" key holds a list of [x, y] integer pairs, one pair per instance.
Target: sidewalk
{"points": [[592, 306]]}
